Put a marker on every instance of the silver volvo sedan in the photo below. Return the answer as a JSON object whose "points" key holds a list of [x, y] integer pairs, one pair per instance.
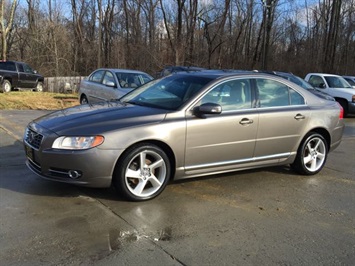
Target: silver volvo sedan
{"points": [[185, 125]]}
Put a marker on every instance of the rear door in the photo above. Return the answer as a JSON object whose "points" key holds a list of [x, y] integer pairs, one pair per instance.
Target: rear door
{"points": [[283, 116], [28, 79], [227, 140]]}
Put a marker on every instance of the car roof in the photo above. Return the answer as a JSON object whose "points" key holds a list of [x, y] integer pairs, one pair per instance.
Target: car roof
{"points": [[220, 73], [324, 74], [122, 70]]}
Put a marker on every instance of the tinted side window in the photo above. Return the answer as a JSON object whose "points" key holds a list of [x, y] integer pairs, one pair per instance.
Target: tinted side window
{"points": [[20, 68], [10, 66], [231, 95], [27, 69], [273, 93], [97, 76]]}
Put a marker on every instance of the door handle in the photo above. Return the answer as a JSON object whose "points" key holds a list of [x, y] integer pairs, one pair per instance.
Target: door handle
{"points": [[246, 121], [299, 117]]}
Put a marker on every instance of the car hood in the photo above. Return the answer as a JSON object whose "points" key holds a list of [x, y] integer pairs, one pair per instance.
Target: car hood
{"points": [[99, 118]]}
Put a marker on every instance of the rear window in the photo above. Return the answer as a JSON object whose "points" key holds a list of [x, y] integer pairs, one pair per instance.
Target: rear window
{"points": [[10, 66]]}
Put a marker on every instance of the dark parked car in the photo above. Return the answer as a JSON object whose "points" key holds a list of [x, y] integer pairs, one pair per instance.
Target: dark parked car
{"points": [[185, 125], [110, 83], [19, 76]]}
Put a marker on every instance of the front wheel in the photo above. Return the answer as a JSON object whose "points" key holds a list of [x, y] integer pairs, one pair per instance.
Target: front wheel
{"points": [[6, 86], [311, 155], [142, 173]]}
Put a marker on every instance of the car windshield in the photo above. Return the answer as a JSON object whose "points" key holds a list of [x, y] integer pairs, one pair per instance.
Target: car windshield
{"points": [[167, 93], [337, 82], [350, 81]]}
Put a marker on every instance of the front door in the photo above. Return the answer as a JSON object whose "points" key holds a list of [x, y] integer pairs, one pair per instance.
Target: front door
{"points": [[224, 141]]}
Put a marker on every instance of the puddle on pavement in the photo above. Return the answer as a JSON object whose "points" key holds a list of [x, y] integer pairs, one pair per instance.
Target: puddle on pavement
{"points": [[117, 239]]}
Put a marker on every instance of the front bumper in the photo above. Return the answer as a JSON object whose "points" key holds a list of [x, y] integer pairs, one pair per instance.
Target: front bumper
{"points": [[90, 168]]}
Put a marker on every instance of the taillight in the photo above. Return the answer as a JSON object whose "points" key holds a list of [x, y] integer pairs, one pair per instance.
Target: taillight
{"points": [[341, 113]]}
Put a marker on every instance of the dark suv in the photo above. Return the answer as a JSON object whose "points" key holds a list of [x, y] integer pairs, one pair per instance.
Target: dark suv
{"points": [[18, 75]]}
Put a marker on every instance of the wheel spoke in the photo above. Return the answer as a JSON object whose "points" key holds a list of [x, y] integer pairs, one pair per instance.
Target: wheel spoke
{"points": [[154, 181], [317, 143], [140, 187], [157, 164], [133, 173], [307, 159], [313, 164], [142, 158]]}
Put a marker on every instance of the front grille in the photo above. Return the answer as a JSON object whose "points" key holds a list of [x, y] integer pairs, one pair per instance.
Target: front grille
{"points": [[33, 138]]}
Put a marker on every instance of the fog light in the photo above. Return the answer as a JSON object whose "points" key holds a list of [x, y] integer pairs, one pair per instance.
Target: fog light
{"points": [[74, 174]]}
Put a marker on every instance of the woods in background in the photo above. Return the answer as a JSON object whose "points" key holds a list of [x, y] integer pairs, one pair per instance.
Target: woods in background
{"points": [[74, 37]]}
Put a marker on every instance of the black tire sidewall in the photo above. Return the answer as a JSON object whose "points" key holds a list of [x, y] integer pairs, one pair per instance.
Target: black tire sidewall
{"points": [[119, 176]]}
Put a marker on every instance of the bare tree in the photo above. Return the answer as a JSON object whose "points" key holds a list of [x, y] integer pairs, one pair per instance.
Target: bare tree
{"points": [[6, 26]]}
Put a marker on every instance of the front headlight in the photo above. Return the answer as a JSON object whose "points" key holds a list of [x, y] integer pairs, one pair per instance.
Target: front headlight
{"points": [[78, 142]]}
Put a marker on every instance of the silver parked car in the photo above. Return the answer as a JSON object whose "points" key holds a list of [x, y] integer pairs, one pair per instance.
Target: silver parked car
{"points": [[110, 83], [185, 125]]}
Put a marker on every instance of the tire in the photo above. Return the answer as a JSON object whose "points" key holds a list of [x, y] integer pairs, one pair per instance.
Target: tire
{"points": [[39, 87], [83, 100], [344, 104], [142, 173], [311, 155], [6, 86]]}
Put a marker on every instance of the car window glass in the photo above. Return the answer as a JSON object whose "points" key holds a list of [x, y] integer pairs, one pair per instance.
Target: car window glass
{"points": [[337, 82], [169, 93], [316, 81], [231, 95], [295, 97], [132, 80], [97, 76], [350, 81], [10, 66], [20, 68], [27, 69], [273, 93], [108, 78]]}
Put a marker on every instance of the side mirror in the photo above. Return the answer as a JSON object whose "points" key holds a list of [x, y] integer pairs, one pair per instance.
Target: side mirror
{"points": [[322, 86], [110, 84], [207, 109]]}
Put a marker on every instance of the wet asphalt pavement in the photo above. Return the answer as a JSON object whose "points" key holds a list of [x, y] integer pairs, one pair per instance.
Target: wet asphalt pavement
{"points": [[268, 216]]}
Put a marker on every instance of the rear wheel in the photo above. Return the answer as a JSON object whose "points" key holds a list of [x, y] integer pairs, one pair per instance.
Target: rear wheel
{"points": [[83, 100], [6, 86], [143, 172], [311, 155]]}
